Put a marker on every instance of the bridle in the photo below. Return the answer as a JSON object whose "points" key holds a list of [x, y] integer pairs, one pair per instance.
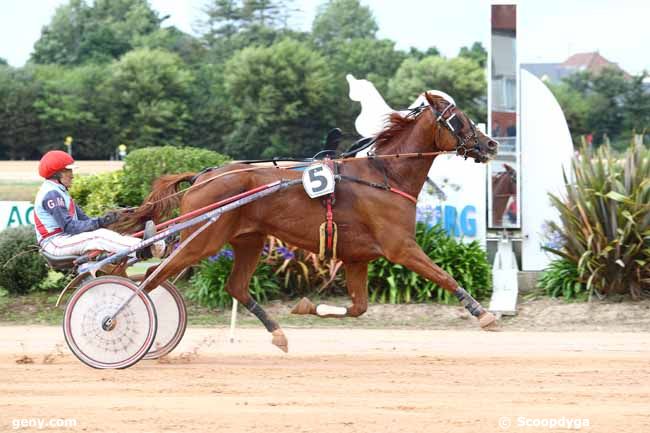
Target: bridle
{"points": [[464, 144], [462, 149], [449, 119]]}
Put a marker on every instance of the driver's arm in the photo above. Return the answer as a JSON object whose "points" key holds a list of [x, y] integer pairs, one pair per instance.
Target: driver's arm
{"points": [[54, 204]]}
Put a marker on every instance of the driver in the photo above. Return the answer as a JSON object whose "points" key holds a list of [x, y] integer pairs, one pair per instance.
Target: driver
{"points": [[62, 228]]}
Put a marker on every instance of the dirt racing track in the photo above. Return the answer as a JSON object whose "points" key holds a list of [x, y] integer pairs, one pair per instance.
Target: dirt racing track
{"points": [[338, 380]]}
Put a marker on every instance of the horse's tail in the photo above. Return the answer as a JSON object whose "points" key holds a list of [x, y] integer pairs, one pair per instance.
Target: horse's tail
{"points": [[159, 204]]}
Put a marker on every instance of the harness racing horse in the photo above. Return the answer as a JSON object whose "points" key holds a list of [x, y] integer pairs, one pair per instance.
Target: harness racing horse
{"points": [[504, 189], [374, 211]]}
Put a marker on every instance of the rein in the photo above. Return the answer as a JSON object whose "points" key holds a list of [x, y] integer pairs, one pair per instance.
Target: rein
{"points": [[307, 163], [462, 150]]}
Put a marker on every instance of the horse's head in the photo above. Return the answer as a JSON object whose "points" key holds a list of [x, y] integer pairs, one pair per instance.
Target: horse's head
{"points": [[457, 131]]}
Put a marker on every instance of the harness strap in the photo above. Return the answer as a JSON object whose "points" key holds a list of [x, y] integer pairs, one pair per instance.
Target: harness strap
{"points": [[385, 187], [403, 194], [328, 230]]}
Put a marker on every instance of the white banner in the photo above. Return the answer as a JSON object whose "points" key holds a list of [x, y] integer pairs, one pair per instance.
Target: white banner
{"points": [[16, 213], [455, 198]]}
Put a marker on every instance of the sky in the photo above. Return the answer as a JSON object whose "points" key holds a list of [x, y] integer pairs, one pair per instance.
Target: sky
{"points": [[548, 30]]}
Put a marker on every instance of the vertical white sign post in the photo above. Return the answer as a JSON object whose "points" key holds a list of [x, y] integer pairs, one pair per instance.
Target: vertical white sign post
{"points": [[504, 278]]}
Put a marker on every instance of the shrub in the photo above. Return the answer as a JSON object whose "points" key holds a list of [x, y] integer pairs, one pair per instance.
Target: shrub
{"points": [[605, 220], [143, 166], [561, 278], [99, 193], [284, 268], [297, 272], [55, 281], [210, 281], [301, 272], [467, 263], [21, 266]]}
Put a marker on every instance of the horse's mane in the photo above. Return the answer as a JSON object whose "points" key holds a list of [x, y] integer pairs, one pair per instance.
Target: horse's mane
{"points": [[397, 124]]}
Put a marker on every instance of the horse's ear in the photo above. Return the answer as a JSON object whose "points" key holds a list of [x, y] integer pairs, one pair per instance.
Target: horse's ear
{"points": [[431, 94]]}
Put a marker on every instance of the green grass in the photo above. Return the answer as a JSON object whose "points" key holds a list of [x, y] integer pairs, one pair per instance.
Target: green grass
{"points": [[18, 190], [141, 267], [37, 308], [33, 309]]}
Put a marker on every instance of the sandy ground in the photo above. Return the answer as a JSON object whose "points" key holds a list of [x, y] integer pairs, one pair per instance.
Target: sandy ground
{"points": [[28, 170], [342, 380]]}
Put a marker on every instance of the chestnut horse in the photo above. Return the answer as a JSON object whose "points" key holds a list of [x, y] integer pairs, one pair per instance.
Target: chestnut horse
{"points": [[504, 187], [372, 222]]}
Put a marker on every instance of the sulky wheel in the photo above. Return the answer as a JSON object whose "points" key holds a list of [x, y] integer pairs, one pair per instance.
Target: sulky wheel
{"points": [[172, 318], [119, 344]]}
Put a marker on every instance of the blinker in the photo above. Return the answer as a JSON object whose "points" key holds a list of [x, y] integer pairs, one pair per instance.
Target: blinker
{"points": [[454, 123]]}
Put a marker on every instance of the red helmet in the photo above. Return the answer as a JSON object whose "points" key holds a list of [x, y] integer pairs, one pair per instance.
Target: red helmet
{"points": [[53, 162]]}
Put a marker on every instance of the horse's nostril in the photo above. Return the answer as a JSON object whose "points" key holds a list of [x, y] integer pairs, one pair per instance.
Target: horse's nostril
{"points": [[492, 144]]}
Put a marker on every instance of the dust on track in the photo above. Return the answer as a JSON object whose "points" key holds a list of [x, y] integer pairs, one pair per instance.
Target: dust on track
{"points": [[347, 380]]}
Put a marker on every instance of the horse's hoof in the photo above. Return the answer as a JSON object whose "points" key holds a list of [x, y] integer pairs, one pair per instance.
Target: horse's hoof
{"points": [[304, 306], [280, 340], [488, 322]]}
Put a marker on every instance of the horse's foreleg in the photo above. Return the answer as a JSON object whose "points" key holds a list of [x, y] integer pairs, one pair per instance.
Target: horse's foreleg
{"points": [[356, 275], [247, 251], [416, 260]]}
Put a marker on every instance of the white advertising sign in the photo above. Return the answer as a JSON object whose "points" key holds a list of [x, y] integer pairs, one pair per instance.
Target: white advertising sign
{"points": [[16, 213], [546, 150], [454, 197]]}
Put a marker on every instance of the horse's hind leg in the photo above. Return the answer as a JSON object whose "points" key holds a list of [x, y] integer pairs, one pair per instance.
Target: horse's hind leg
{"points": [[247, 250], [416, 260], [205, 244], [356, 276]]}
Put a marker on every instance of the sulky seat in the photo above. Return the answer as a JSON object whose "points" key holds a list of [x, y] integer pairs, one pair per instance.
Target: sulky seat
{"points": [[59, 263]]}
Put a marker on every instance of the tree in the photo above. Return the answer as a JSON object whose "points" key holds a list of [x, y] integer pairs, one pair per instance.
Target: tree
{"points": [[210, 110], [476, 53], [281, 100], [460, 77], [343, 20], [377, 60], [372, 59], [637, 105], [147, 99], [67, 105], [20, 127], [264, 13], [232, 25], [60, 40], [188, 47], [604, 98], [223, 20], [575, 107], [419, 55], [79, 33], [611, 105], [3, 62]]}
